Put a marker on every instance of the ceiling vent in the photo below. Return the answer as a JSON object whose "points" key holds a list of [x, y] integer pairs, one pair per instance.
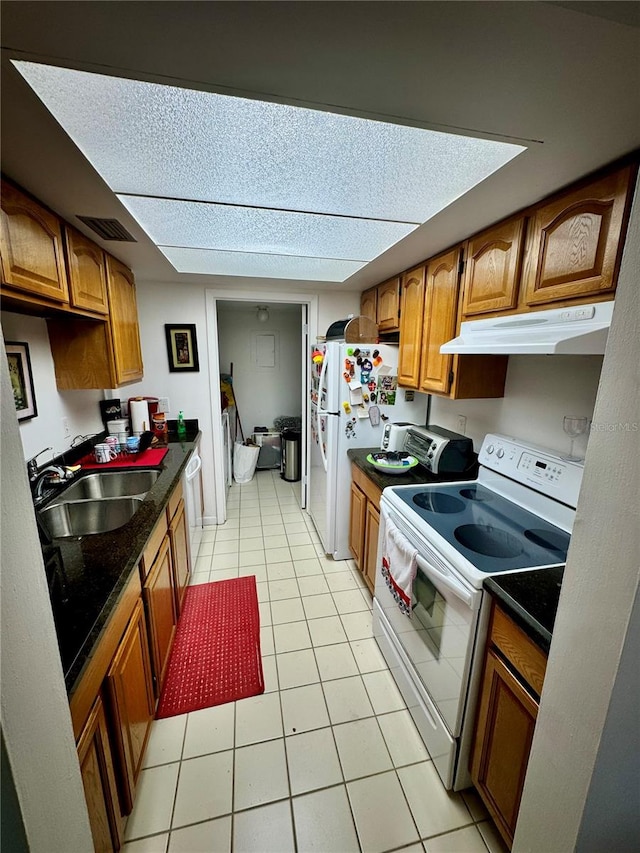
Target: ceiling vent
{"points": [[108, 229]]}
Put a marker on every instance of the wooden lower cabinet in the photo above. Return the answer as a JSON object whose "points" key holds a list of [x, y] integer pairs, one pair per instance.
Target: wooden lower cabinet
{"points": [[130, 688], [180, 557], [357, 524], [364, 524], [372, 528], [160, 603], [98, 777], [511, 682]]}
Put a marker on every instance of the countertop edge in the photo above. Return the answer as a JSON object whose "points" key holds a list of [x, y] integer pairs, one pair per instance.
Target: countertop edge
{"points": [[520, 615], [75, 670]]}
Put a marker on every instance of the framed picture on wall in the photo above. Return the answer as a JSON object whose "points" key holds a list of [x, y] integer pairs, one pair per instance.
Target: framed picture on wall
{"points": [[182, 347], [21, 379]]}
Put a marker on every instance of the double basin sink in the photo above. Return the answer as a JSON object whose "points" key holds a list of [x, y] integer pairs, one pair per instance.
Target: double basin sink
{"points": [[97, 503]]}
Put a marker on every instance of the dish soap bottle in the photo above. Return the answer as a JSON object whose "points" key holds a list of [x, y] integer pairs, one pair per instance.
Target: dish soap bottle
{"points": [[182, 427]]}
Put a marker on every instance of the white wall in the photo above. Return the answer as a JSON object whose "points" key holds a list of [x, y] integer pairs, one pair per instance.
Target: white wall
{"points": [[334, 306], [36, 723], [79, 407], [539, 391], [582, 782], [262, 393]]}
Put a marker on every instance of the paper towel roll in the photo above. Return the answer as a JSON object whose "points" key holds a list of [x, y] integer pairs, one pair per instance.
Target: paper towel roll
{"points": [[139, 415]]}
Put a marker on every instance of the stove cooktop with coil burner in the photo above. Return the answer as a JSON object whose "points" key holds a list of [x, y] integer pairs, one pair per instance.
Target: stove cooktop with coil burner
{"points": [[517, 515]]}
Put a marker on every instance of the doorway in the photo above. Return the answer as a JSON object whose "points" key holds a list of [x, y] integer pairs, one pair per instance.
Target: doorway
{"points": [[260, 342]]}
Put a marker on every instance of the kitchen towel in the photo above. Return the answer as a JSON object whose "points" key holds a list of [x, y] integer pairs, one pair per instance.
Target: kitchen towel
{"points": [[399, 564]]}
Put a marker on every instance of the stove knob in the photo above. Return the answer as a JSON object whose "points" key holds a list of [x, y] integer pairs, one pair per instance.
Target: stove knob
{"points": [[490, 449], [500, 453]]}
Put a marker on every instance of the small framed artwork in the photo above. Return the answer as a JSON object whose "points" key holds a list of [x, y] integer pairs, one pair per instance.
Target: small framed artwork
{"points": [[182, 347], [21, 379]]}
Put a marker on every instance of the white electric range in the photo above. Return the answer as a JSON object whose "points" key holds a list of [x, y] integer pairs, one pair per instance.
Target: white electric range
{"points": [[517, 515]]}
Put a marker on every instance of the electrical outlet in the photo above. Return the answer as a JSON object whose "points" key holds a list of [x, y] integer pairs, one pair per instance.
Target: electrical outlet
{"points": [[163, 404], [462, 424], [66, 429]]}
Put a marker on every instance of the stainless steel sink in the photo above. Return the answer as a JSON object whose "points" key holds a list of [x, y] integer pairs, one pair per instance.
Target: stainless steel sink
{"points": [[83, 518], [110, 484]]}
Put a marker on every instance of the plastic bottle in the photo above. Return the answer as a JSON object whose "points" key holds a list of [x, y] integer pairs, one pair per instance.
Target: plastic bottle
{"points": [[182, 427]]}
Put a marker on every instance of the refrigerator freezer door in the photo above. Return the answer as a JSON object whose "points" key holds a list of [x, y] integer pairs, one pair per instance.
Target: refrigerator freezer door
{"points": [[322, 475]]}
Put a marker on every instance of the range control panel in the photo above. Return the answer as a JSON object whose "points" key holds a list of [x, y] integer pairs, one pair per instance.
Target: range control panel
{"points": [[539, 467]]}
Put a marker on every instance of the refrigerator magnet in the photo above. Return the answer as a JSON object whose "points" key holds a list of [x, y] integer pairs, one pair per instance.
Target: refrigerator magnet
{"points": [[346, 407], [374, 415]]}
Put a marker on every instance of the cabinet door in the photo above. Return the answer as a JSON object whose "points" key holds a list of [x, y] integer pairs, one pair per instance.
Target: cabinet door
{"points": [[441, 301], [130, 686], [388, 312], [180, 558], [492, 269], [369, 303], [98, 778], [357, 525], [123, 312], [159, 598], [372, 528], [31, 247], [87, 272], [576, 242], [411, 311], [506, 720]]}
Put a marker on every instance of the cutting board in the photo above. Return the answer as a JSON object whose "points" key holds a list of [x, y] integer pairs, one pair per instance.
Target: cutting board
{"points": [[147, 459]]}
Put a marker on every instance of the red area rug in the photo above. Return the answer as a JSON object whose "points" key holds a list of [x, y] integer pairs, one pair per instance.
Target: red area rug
{"points": [[216, 652]]}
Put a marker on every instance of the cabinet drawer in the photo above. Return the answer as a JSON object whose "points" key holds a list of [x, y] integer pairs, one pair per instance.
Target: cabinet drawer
{"points": [[519, 649], [370, 489], [153, 546], [174, 502]]}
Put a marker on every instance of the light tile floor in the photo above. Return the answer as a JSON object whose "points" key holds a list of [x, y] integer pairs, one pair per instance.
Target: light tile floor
{"points": [[328, 758]]}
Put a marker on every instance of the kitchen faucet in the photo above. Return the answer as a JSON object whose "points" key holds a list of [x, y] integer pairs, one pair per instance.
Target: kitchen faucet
{"points": [[53, 474]]}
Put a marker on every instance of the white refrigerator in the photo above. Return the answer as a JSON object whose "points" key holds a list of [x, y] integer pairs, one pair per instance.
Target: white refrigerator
{"points": [[354, 392]]}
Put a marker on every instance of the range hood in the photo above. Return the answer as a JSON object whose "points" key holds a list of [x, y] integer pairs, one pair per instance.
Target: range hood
{"points": [[580, 330]]}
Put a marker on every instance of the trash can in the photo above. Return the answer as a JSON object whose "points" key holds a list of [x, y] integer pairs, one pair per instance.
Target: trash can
{"points": [[291, 450]]}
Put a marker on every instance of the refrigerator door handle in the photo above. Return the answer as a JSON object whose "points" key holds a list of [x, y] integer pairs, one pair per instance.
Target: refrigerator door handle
{"points": [[323, 373], [323, 455]]}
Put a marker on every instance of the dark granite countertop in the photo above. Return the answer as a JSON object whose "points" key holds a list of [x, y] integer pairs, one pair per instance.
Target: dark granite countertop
{"points": [[87, 575], [413, 477], [531, 599]]}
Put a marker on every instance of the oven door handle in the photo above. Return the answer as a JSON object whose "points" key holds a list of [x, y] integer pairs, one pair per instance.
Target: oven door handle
{"points": [[471, 599]]}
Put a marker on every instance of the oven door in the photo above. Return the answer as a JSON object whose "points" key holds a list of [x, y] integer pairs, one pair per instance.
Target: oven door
{"points": [[439, 636]]}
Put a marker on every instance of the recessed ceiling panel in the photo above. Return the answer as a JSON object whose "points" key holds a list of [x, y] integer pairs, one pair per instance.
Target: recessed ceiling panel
{"points": [[251, 229], [157, 140], [211, 262]]}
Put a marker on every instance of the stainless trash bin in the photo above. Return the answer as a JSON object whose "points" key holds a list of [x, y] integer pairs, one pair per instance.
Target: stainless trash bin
{"points": [[291, 451]]}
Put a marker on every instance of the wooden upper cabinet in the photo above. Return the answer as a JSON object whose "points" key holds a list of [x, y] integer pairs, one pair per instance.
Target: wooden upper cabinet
{"points": [[575, 241], [87, 272], [31, 247], [369, 304], [492, 269], [411, 311], [439, 326], [123, 312], [388, 309]]}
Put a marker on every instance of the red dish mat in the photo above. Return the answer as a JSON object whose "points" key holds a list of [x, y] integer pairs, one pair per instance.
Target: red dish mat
{"points": [[216, 653], [147, 459]]}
